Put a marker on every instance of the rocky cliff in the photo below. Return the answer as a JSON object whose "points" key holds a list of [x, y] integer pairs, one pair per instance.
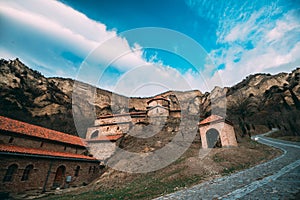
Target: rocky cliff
{"points": [[258, 103]]}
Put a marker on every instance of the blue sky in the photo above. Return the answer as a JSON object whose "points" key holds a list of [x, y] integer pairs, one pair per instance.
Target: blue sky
{"points": [[238, 38]]}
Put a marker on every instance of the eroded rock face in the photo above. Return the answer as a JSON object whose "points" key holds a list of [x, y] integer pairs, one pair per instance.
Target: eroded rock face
{"points": [[266, 101], [256, 104]]}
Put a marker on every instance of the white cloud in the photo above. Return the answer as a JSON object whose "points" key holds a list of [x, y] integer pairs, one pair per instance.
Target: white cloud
{"points": [[283, 26], [40, 33], [258, 44]]}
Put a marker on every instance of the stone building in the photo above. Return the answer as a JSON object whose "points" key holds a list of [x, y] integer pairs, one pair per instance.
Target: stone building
{"points": [[215, 131], [36, 158], [158, 107], [102, 138]]}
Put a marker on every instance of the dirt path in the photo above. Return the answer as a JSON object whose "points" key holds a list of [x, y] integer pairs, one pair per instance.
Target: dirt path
{"points": [[276, 179]]}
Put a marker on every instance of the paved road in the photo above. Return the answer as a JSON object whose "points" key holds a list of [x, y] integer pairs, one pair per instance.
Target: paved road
{"points": [[276, 179]]}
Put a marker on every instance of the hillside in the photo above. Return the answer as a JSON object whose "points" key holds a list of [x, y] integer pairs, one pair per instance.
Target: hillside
{"points": [[256, 104]]}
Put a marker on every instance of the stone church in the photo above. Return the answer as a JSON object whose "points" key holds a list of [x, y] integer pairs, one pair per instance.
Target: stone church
{"points": [[107, 130]]}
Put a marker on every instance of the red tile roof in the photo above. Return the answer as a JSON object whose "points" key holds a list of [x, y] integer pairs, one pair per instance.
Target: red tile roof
{"points": [[158, 98], [23, 128], [106, 138], [211, 118], [43, 152]]}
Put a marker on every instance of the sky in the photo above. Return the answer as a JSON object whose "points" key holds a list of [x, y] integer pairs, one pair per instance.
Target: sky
{"points": [[142, 48]]}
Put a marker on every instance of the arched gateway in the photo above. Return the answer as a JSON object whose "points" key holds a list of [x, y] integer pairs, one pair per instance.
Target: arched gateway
{"points": [[215, 131]]}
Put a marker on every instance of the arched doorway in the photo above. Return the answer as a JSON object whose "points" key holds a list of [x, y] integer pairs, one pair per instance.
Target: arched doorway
{"points": [[59, 176], [213, 138]]}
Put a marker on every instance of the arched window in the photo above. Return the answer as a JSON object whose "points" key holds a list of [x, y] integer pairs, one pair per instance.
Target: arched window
{"points": [[11, 139], [27, 172], [11, 170], [77, 171], [95, 134]]}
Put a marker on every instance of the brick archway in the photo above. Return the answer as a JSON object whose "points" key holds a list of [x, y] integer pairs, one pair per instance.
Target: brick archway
{"points": [[218, 125]]}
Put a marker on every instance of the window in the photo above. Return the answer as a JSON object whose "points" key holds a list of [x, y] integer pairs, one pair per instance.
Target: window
{"points": [[65, 148], [118, 128], [90, 169], [27, 172], [42, 144], [11, 170], [11, 139], [94, 169], [95, 134], [77, 171]]}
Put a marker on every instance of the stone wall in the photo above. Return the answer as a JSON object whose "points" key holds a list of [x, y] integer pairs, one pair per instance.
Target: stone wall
{"points": [[102, 150], [113, 119], [139, 119], [158, 111], [41, 166], [160, 102], [112, 129]]}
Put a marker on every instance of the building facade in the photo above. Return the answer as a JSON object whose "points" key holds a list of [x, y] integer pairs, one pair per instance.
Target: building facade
{"points": [[36, 158]]}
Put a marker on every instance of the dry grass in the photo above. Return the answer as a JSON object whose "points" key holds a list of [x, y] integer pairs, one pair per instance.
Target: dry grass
{"points": [[188, 170]]}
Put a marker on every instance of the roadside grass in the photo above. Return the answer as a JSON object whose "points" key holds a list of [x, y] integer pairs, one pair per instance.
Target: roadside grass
{"points": [[146, 187], [279, 135]]}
